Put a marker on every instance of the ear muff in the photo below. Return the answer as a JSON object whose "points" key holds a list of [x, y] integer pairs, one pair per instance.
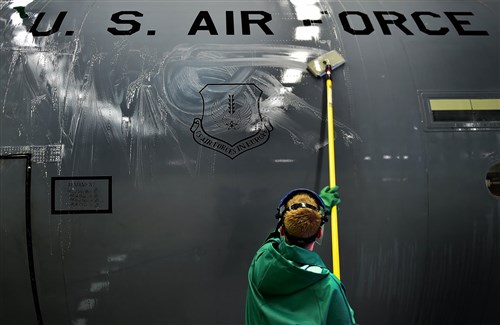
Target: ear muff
{"points": [[282, 209]]}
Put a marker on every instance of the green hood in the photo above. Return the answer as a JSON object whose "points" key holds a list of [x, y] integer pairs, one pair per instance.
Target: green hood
{"points": [[276, 269], [290, 285]]}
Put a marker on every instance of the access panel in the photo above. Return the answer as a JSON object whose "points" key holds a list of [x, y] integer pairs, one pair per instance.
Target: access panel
{"points": [[17, 305]]}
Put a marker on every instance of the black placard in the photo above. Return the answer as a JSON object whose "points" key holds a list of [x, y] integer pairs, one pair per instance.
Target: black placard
{"points": [[76, 195]]}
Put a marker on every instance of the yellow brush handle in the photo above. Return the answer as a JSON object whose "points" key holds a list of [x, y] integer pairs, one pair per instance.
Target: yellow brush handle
{"points": [[331, 168]]}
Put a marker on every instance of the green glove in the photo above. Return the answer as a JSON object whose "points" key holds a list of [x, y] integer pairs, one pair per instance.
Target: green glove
{"points": [[330, 197]]}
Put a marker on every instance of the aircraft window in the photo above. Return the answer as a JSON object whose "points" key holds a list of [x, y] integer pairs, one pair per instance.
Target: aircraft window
{"points": [[493, 180], [465, 110]]}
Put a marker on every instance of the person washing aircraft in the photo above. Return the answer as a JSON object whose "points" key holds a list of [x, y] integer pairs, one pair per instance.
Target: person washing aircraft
{"points": [[288, 283]]}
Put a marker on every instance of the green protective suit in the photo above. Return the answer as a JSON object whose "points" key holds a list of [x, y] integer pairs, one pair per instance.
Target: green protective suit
{"points": [[290, 285]]}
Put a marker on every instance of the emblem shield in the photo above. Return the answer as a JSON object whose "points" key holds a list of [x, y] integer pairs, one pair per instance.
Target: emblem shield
{"points": [[231, 122]]}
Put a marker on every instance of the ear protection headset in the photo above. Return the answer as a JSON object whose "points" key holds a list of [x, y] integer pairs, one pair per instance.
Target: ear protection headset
{"points": [[282, 209]]}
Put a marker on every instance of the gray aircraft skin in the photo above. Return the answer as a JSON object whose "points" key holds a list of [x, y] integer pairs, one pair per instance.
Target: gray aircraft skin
{"points": [[145, 146]]}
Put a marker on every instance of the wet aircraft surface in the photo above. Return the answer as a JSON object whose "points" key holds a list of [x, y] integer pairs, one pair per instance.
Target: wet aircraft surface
{"points": [[145, 146]]}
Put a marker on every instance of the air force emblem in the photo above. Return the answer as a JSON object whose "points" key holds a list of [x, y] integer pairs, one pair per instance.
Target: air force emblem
{"points": [[231, 122]]}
